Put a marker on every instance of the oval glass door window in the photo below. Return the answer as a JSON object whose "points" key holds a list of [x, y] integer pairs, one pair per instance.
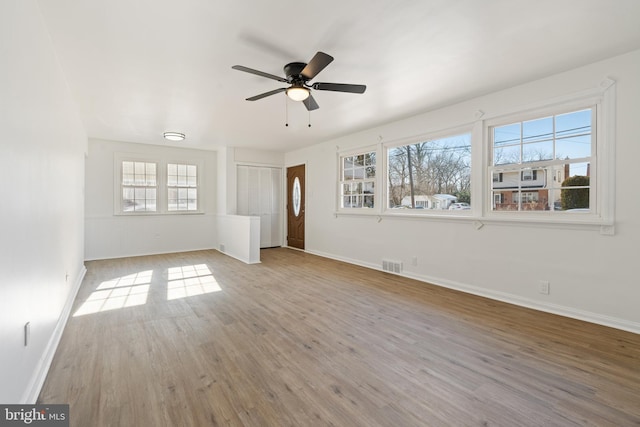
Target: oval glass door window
{"points": [[296, 196]]}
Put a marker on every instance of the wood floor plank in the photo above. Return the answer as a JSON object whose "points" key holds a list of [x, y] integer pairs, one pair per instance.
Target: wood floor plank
{"points": [[201, 339]]}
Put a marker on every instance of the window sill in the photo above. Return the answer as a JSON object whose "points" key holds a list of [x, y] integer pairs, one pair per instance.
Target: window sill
{"points": [[571, 221], [560, 220], [143, 213]]}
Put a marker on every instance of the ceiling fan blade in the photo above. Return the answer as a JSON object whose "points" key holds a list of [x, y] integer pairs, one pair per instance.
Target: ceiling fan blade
{"points": [[264, 95], [259, 73], [310, 103], [340, 87], [318, 63]]}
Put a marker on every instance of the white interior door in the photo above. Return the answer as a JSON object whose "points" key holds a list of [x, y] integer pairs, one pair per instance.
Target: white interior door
{"points": [[260, 194], [276, 207]]}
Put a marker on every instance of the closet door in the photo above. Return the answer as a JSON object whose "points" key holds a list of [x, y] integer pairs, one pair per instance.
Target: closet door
{"points": [[276, 207], [265, 202], [260, 194], [253, 192]]}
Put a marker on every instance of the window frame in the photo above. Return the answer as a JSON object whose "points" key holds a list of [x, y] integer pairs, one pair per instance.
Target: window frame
{"points": [[528, 175], [600, 184], [177, 186], [341, 155], [137, 186], [452, 132], [162, 188], [602, 216]]}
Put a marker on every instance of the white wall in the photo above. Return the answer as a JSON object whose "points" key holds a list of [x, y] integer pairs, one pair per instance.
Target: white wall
{"points": [[592, 275], [225, 194], [42, 150], [239, 237], [258, 157], [113, 236]]}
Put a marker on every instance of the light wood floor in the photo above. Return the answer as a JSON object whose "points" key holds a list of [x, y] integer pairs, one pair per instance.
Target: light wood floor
{"points": [[304, 341]]}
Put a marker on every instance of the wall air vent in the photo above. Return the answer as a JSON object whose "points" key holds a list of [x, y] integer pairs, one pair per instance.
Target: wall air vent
{"points": [[392, 266]]}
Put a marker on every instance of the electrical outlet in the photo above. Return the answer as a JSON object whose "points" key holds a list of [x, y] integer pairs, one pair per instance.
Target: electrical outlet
{"points": [[414, 260], [544, 287]]}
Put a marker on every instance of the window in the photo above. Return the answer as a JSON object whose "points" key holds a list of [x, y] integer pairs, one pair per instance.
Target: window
{"points": [[550, 163], [432, 174], [357, 180], [139, 187], [526, 197], [528, 175], [150, 186], [545, 163], [182, 187]]}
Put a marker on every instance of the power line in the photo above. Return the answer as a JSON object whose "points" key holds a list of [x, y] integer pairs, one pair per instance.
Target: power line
{"points": [[558, 134]]}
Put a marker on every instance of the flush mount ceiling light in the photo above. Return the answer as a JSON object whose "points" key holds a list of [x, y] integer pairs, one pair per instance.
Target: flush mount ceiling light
{"points": [[174, 136], [298, 93]]}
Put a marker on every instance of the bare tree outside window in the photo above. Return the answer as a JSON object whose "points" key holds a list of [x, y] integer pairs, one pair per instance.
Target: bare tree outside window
{"points": [[431, 174]]}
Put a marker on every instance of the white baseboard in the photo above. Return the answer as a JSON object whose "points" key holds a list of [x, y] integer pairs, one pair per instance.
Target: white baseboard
{"points": [[238, 257], [560, 310], [40, 373]]}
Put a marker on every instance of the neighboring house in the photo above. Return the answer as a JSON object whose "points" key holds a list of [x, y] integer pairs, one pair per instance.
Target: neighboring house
{"points": [[435, 201], [537, 189], [528, 186]]}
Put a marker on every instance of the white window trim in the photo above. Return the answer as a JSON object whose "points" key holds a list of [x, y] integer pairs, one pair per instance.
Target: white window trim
{"points": [[602, 99], [198, 183], [376, 193], [161, 162], [603, 96], [439, 134], [120, 188]]}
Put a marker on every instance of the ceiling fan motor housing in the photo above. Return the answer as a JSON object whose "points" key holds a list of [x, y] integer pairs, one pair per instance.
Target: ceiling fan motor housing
{"points": [[293, 71]]}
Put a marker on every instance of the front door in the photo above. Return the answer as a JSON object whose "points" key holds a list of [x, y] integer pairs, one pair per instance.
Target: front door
{"points": [[295, 207]]}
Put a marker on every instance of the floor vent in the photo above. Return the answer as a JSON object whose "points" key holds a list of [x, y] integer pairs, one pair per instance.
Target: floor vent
{"points": [[391, 266]]}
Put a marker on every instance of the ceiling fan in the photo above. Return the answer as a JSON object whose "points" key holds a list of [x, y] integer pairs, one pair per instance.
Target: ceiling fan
{"points": [[298, 75]]}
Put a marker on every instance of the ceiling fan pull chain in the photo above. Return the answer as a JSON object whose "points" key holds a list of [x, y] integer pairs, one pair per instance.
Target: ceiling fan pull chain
{"points": [[286, 110], [309, 111]]}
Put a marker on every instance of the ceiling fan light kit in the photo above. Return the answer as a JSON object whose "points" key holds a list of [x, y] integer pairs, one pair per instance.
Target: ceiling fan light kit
{"points": [[298, 93], [174, 136], [298, 75]]}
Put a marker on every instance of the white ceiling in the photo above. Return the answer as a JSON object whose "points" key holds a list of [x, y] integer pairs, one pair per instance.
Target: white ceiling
{"points": [[138, 68]]}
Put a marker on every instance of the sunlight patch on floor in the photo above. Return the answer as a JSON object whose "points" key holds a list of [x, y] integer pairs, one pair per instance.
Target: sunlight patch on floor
{"points": [[190, 280], [126, 291]]}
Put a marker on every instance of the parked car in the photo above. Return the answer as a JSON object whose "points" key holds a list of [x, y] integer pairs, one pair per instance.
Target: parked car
{"points": [[578, 210], [461, 206]]}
